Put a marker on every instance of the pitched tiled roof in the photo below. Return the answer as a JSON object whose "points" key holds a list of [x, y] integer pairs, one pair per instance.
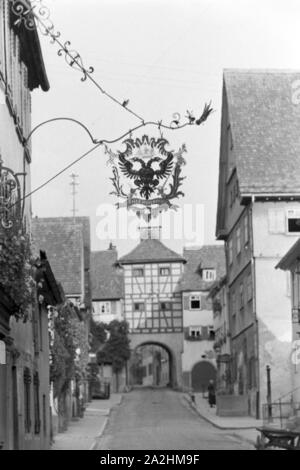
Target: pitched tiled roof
{"points": [[209, 256], [107, 283], [149, 251], [265, 125], [62, 240]]}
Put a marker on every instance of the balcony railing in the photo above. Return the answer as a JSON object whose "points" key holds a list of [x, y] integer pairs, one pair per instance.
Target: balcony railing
{"points": [[281, 415]]}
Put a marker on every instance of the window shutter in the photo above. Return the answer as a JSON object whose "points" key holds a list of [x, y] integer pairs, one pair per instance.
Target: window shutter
{"points": [[186, 302], [276, 220], [204, 332]]}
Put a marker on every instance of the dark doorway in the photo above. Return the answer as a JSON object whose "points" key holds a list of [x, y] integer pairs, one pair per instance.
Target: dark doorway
{"points": [[202, 373]]}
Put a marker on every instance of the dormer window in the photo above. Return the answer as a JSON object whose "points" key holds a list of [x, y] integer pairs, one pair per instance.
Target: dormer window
{"points": [[209, 275]]}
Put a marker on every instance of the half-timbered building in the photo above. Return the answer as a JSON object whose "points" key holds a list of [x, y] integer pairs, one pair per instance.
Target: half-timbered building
{"points": [[152, 300]]}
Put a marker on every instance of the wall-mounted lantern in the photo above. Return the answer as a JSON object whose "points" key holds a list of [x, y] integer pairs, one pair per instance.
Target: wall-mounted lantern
{"points": [[11, 212]]}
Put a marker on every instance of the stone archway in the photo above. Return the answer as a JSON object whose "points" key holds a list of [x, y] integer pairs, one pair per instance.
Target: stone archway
{"points": [[202, 373], [171, 343]]}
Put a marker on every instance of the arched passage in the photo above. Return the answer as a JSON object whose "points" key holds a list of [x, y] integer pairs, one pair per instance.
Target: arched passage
{"points": [[152, 363], [202, 373], [172, 343]]}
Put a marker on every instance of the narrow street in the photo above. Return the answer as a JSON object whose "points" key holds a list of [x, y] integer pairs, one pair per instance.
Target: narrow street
{"points": [[160, 419]]}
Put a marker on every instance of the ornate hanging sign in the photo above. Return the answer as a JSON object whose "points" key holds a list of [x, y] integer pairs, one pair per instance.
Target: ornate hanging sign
{"points": [[147, 176]]}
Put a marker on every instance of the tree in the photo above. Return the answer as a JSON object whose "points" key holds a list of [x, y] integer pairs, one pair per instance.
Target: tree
{"points": [[98, 332], [116, 350]]}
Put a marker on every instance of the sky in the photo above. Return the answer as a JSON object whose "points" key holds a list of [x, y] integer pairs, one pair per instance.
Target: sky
{"points": [[165, 56]]}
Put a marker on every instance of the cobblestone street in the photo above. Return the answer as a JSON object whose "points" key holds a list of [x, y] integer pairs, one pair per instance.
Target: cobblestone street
{"points": [[160, 419]]}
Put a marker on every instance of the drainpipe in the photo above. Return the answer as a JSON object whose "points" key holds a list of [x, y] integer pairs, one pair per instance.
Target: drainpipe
{"points": [[269, 393]]}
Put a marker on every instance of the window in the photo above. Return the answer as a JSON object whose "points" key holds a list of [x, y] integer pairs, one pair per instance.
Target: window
{"points": [[233, 302], [236, 189], [238, 241], [231, 197], [165, 306], [276, 221], [195, 332], [249, 287], [234, 329], [27, 400], [230, 252], [209, 275], [36, 398], [246, 229], [293, 221], [105, 308], [195, 303], [241, 296], [139, 307], [211, 333], [44, 415], [138, 272], [164, 271], [100, 309]]}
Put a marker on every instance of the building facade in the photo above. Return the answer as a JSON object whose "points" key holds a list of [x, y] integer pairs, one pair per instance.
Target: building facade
{"points": [[258, 204], [152, 300], [291, 264], [67, 241], [107, 300], [24, 373], [203, 267], [222, 343]]}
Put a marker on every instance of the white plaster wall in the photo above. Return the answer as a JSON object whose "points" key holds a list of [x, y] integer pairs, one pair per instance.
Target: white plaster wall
{"points": [[193, 350], [266, 243], [197, 317]]}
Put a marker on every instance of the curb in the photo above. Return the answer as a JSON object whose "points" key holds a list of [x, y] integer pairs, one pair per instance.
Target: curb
{"points": [[101, 432], [224, 428]]}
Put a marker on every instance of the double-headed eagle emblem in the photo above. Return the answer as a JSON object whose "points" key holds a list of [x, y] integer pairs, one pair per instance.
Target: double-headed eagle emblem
{"points": [[153, 174]]}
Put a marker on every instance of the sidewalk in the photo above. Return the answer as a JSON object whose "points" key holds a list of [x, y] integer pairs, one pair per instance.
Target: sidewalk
{"points": [[82, 434], [242, 427]]}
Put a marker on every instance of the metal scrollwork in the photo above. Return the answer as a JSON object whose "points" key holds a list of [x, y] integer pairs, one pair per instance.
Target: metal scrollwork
{"points": [[74, 60], [34, 15], [10, 198]]}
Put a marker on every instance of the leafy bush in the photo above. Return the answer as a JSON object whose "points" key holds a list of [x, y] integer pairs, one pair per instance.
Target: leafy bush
{"points": [[16, 270]]}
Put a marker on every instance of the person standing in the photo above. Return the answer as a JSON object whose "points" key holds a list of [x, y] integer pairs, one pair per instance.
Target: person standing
{"points": [[211, 393]]}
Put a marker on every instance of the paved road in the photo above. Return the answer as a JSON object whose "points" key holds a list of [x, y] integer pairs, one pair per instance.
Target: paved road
{"points": [[160, 419]]}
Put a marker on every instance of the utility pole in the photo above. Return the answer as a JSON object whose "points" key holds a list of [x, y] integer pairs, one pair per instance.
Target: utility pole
{"points": [[74, 192]]}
